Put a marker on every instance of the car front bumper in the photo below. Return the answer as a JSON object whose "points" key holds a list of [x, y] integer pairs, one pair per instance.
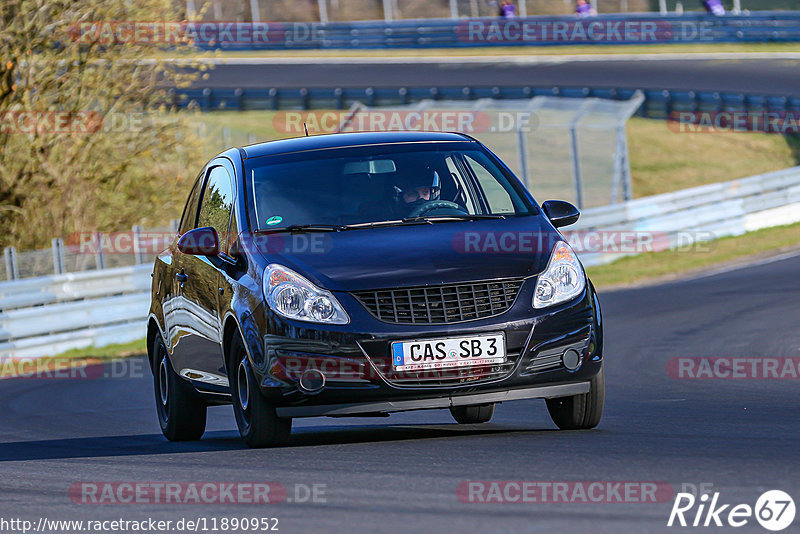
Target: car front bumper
{"points": [[356, 360]]}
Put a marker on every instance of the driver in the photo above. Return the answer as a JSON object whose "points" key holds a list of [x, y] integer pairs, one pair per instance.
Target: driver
{"points": [[413, 191]]}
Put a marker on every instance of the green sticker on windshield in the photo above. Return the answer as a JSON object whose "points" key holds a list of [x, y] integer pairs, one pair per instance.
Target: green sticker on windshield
{"points": [[272, 221]]}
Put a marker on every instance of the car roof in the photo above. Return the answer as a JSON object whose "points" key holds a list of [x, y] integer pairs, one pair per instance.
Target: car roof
{"points": [[342, 140]]}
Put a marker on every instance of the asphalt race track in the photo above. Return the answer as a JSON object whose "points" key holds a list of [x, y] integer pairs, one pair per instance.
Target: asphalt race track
{"points": [[400, 474], [755, 76]]}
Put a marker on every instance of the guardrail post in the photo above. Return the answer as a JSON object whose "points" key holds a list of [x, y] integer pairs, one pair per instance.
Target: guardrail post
{"points": [[576, 166], [304, 99], [323, 11], [338, 94], [58, 256], [255, 12], [173, 225], [453, 9], [12, 270], [523, 8], [273, 99], [387, 10], [662, 6], [100, 255], [576, 161], [137, 245]]}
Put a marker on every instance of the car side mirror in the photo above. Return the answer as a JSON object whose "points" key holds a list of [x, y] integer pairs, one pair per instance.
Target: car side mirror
{"points": [[200, 242], [561, 213]]}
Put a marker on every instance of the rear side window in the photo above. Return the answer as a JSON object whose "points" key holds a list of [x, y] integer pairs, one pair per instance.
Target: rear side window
{"points": [[217, 203], [190, 210]]}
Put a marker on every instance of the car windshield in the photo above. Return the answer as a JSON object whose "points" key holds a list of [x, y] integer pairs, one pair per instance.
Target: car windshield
{"points": [[337, 188]]}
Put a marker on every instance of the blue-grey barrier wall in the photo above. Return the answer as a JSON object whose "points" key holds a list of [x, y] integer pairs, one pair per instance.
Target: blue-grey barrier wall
{"points": [[653, 28], [659, 104]]}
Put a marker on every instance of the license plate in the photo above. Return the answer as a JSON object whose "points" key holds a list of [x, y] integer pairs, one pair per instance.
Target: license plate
{"points": [[445, 353]]}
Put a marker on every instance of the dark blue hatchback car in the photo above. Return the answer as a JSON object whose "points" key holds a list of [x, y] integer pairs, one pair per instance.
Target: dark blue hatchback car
{"points": [[364, 274]]}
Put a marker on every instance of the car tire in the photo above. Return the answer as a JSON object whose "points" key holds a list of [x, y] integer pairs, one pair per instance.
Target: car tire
{"points": [[580, 412], [181, 413], [258, 422], [469, 415]]}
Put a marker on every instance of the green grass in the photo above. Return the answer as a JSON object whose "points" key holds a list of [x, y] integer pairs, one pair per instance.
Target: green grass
{"points": [[699, 48], [664, 160], [74, 359], [109, 352], [672, 263]]}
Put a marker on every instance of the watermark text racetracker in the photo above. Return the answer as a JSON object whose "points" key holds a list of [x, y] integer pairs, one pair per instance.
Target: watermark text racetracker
{"points": [[464, 120], [734, 368], [232, 33], [197, 492], [66, 368], [609, 241], [551, 492], [584, 31], [80, 122], [775, 122], [583, 241]]}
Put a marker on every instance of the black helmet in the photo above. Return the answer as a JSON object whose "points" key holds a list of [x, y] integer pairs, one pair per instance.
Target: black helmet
{"points": [[407, 184]]}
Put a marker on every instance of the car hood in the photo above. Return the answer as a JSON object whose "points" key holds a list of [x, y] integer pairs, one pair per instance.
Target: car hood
{"points": [[415, 255]]}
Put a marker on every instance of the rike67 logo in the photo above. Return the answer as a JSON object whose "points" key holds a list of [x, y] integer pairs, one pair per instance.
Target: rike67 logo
{"points": [[774, 510]]}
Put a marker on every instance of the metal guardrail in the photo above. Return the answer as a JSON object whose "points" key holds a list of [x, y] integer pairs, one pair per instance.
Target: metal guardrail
{"points": [[658, 104], [758, 26], [684, 218], [48, 315], [51, 314]]}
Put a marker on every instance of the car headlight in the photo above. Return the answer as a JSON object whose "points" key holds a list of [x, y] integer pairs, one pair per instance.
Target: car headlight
{"points": [[562, 280], [294, 297]]}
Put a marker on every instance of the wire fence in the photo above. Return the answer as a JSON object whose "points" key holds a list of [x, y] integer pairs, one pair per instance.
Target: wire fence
{"points": [[88, 251]]}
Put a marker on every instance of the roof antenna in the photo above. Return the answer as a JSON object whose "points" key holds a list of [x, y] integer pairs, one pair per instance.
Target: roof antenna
{"points": [[305, 126]]}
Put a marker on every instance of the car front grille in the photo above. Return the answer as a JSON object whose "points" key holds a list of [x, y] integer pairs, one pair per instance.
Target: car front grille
{"points": [[443, 304]]}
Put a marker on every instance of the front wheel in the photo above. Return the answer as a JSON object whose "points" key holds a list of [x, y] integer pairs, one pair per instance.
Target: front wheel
{"points": [[582, 411], [467, 415], [259, 424], [181, 414]]}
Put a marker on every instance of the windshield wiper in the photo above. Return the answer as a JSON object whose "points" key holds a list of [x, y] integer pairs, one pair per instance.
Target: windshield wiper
{"points": [[383, 224], [303, 228], [446, 218]]}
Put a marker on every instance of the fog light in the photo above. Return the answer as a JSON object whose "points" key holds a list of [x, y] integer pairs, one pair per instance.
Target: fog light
{"points": [[571, 359], [312, 381]]}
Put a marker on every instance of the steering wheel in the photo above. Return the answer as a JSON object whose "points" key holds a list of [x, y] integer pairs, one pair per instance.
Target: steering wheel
{"points": [[435, 205]]}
